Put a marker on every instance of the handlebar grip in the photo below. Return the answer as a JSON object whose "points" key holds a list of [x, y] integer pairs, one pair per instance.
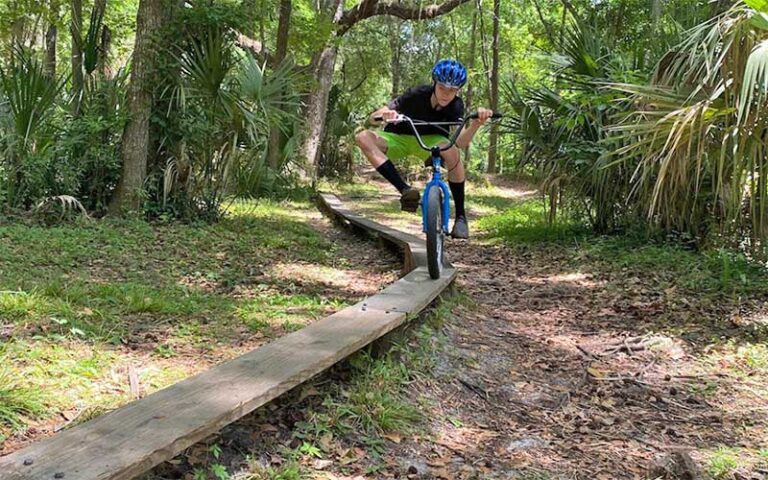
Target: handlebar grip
{"points": [[378, 119], [495, 115]]}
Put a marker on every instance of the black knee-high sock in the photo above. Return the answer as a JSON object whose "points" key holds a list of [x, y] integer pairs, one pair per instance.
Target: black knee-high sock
{"points": [[457, 192], [388, 171]]}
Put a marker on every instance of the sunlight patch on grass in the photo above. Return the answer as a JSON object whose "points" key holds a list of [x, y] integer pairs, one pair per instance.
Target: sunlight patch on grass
{"points": [[526, 222], [18, 404], [71, 296], [158, 375], [743, 360], [350, 189], [486, 199], [67, 376], [313, 273], [271, 309]]}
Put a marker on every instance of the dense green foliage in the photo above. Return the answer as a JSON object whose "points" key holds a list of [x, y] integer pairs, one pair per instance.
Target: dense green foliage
{"points": [[616, 107]]}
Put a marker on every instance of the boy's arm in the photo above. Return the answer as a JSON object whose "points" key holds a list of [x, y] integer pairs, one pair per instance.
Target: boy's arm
{"points": [[466, 135]]}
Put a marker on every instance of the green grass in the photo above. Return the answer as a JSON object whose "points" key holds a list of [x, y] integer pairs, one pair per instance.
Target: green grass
{"points": [[72, 296], [524, 225], [723, 462], [16, 403], [525, 222], [377, 402]]}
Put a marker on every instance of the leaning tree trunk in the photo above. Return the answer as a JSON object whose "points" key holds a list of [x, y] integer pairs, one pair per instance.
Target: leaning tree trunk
{"points": [[494, 137], [276, 136], [136, 134], [317, 104]]}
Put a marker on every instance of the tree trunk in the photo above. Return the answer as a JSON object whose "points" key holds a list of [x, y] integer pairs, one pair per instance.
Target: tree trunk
{"points": [[106, 46], [135, 143], [494, 137], [50, 50], [51, 39], [276, 137], [317, 104], [471, 66], [394, 46], [76, 29], [317, 109]]}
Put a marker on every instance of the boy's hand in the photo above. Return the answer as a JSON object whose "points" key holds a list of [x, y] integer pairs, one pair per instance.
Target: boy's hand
{"points": [[483, 114], [384, 114]]}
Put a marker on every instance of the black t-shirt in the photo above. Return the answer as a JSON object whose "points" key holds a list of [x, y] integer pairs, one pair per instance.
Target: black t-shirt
{"points": [[416, 103]]}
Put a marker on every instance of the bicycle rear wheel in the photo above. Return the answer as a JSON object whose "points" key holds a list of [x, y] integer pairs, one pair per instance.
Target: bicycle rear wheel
{"points": [[435, 233]]}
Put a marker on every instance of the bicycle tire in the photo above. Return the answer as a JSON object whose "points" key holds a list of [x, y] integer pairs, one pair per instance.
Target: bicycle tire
{"points": [[435, 233]]}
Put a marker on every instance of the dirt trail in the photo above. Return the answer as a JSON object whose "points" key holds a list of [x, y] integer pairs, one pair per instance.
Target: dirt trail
{"points": [[549, 371]]}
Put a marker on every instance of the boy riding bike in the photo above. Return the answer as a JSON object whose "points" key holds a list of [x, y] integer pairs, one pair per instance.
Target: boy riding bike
{"points": [[438, 102]]}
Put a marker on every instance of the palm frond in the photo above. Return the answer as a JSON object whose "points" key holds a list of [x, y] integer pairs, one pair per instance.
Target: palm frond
{"points": [[29, 93]]}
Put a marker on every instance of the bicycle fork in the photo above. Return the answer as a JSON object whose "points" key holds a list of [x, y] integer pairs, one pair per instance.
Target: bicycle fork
{"points": [[436, 181]]}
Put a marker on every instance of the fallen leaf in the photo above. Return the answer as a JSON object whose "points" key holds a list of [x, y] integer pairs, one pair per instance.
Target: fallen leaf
{"points": [[326, 442], [308, 392], [321, 464], [393, 437], [441, 473], [595, 372]]}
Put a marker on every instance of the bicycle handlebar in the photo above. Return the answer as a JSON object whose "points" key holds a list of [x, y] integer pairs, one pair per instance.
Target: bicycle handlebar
{"points": [[451, 140]]}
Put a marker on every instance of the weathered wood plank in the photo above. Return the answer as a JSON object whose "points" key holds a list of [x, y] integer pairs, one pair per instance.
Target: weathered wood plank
{"points": [[412, 293], [335, 205], [132, 439]]}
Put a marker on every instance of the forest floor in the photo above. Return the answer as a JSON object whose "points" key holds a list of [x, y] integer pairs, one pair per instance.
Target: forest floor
{"points": [[564, 355]]}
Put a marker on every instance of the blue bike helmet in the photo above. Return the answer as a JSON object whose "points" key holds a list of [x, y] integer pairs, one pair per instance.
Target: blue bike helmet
{"points": [[450, 72]]}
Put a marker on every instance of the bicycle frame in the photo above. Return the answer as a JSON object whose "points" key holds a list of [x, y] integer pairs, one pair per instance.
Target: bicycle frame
{"points": [[437, 181]]}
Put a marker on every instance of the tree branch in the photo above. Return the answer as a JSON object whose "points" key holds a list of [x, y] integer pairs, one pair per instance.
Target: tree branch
{"points": [[254, 47], [370, 8]]}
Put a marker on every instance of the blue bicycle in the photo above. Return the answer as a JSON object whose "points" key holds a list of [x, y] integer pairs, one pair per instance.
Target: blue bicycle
{"points": [[436, 201]]}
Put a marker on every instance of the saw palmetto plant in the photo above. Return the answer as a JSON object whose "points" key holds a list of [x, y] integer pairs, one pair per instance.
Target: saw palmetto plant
{"points": [[695, 137]]}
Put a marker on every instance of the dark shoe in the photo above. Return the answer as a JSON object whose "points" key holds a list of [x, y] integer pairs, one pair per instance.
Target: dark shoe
{"points": [[460, 228], [409, 199]]}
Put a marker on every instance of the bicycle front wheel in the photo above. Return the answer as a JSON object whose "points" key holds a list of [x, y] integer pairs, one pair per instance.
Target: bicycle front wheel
{"points": [[435, 233]]}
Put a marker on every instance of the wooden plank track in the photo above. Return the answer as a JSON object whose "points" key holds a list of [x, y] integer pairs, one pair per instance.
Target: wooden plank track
{"points": [[414, 247], [132, 439]]}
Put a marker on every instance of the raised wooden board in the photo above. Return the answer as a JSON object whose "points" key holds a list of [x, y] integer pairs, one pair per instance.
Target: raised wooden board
{"points": [[132, 439], [414, 247]]}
